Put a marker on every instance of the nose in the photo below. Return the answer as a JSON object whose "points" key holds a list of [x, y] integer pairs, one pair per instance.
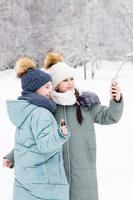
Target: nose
{"points": [[50, 92], [69, 82]]}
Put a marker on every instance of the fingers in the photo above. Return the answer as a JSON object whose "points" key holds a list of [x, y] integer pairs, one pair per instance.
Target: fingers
{"points": [[64, 130], [115, 91], [62, 122], [7, 163], [63, 127]]}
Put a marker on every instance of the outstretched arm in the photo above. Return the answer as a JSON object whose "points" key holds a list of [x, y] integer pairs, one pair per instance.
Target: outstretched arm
{"points": [[112, 114]]}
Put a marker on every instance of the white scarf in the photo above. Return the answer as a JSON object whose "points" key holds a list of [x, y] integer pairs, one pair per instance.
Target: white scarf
{"points": [[65, 99]]}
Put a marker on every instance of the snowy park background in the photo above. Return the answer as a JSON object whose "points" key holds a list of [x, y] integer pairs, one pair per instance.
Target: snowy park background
{"points": [[114, 142], [83, 31]]}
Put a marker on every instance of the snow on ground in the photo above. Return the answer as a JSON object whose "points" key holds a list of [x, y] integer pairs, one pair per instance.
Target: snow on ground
{"points": [[114, 142]]}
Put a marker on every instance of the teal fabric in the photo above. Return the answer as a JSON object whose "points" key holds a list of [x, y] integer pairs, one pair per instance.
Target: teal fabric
{"points": [[39, 170], [79, 153]]}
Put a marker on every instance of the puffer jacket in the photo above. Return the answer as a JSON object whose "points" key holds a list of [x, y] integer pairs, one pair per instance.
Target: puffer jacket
{"points": [[39, 170]]}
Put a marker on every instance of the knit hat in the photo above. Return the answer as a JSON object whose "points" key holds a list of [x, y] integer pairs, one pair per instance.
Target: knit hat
{"points": [[58, 69], [31, 78]]}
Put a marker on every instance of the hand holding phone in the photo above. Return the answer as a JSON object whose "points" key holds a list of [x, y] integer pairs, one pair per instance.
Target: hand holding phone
{"points": [[115, 91]]}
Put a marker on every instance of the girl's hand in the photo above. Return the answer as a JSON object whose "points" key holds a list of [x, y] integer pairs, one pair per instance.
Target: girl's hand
{"points": [[115, 91], [7, 163], [63, 127]]}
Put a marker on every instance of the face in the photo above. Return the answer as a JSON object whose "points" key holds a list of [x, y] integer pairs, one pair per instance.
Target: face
{"points": [[66, 85], [46, 90]]}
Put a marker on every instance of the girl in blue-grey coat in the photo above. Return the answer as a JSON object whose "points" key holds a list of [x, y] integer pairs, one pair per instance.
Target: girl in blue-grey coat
{"points": [[39, 171], [81, 112]]}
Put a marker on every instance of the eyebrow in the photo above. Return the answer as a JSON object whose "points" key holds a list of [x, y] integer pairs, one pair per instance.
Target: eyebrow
{"points": [[68, 78]]}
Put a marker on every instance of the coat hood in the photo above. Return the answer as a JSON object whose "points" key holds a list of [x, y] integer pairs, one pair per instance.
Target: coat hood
{"points": [[19, 110], [89, 99]]}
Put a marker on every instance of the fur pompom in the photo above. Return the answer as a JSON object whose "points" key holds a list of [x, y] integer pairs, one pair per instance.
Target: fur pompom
{"points": [[23, 64], [52, 58]]}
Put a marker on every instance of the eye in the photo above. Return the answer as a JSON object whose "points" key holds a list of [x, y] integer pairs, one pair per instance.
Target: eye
{"points": [[71, 79], [46, 86], [65, 80]]}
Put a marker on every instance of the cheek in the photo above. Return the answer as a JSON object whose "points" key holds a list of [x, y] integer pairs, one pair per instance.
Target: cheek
{"points": [[61, 88], [73, 84], [42, 91], [64, 86]]}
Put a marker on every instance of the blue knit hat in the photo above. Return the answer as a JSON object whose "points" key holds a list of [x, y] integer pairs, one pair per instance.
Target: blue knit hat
{"points": [[33, 79]]}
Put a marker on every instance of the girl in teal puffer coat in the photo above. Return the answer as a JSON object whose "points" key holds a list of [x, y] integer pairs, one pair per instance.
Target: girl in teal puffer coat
{"points": [[39, 170]]}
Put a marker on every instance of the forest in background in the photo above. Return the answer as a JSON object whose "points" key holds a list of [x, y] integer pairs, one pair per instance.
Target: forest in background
{"points": [[80, 30]]}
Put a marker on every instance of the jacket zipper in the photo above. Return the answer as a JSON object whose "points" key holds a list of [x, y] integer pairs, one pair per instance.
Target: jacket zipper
{"points": [[68, 151]]}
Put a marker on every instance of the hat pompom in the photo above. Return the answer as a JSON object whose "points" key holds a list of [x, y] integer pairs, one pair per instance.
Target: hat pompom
{"points": [[23, 64], [52, 58]]}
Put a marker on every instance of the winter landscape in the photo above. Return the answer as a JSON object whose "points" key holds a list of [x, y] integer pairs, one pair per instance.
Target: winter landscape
{"points": [[84, 32]]}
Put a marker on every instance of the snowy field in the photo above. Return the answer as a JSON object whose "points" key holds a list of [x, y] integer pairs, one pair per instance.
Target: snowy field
{"points": [[114, 142]]}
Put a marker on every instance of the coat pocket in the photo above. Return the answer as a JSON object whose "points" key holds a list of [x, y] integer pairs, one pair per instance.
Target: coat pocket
{"points": [[55, 169], [36, 174]]}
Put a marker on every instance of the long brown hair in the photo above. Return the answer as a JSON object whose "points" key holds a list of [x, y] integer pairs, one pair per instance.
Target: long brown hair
{"points": [[78, 110]]}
